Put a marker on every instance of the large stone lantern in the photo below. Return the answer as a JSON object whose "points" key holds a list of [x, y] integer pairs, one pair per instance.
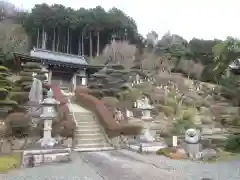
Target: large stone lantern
{"points": [[48, 114]]}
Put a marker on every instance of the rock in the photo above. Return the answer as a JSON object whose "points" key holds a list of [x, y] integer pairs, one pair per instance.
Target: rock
{"points": [[18, 143], [67, 142], [181, 150], [208, 154]]}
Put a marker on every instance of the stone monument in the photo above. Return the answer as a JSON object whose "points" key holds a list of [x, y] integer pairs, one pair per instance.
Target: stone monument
{"points": [[192, 143], [47, 149]]}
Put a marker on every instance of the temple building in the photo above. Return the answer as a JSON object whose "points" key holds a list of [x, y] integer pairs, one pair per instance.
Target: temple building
{"points": [[65, 70]]}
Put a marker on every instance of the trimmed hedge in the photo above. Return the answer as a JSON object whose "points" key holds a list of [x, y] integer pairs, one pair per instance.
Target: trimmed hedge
{"points": [[3, 75], [8, 103], [18, 124], [106, 118], [5, 82], [3, 69], [33, 70], [67, 125], [32, 65], [3, 93], [23, 73], [20, 97], [41, 77], [67, 128]]}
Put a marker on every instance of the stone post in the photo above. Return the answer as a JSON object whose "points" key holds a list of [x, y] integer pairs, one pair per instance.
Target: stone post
{"points": [[74, 81], [49, 76]]}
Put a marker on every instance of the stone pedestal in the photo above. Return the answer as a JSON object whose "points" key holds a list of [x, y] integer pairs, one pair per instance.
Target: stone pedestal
{"points": [[35, 155], [47, 149], [146, 114]]}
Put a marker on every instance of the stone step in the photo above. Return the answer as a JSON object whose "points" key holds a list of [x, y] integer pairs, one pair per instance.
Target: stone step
{"points": [[87, 126], [81, 140], [84, 118], [84, 122], [93, 147], [90, 135], [88, 130], [86, 149]]}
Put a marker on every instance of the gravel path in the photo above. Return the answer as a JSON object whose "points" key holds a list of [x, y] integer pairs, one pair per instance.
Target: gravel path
{"points": [[127, 165]]}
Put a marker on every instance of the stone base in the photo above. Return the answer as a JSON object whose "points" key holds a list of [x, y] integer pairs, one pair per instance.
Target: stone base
{"points": [[36, 157], [148, 147], [146, 118]]}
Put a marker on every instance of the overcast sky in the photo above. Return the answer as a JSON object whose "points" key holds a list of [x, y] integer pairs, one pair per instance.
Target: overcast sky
{"points": [[205, 19]]}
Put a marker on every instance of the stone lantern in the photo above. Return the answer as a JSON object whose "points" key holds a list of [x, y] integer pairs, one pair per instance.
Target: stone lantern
{"points": [[192, 142], [49, 113]]}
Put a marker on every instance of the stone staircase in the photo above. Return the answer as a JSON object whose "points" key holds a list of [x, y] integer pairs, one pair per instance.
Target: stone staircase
{"points": [[89, 134]]}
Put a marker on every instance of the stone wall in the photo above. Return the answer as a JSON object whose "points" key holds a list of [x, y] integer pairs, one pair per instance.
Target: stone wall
{"points": [[7, 145]]}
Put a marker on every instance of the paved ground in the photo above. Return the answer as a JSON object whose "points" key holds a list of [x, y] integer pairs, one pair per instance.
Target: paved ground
{"points": [[127, 165]]}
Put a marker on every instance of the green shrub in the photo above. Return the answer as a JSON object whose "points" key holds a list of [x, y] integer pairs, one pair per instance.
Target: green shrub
{"points": [[3, 69], [181, 125], [32, 65], [233, 143], [188, 114], [167, 110], [3, 93], [19, 97]]}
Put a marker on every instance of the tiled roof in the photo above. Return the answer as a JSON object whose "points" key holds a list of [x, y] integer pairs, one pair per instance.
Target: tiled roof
{"points": [[58, 57]]}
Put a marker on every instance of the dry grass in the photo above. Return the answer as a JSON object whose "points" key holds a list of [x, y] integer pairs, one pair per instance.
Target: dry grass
{"points": [[9, 162]]}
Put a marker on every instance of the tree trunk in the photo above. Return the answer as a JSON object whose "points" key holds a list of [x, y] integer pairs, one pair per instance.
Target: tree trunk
{"points": [[82, 45], [54, 39], [38, 38], [68, 41], [90, 43], [98, 43], [43, 35], [58, 39], [79, 45]]}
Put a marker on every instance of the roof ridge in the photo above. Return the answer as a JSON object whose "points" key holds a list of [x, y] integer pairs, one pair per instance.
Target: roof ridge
{"points": [[55, 52]]}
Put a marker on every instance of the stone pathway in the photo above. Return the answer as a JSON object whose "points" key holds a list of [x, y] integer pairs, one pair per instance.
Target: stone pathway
{"points": [[127, 165]]}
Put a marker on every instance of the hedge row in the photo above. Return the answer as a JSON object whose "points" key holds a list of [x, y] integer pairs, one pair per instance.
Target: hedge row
{"points": [[67, 126], [106, 118]]}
